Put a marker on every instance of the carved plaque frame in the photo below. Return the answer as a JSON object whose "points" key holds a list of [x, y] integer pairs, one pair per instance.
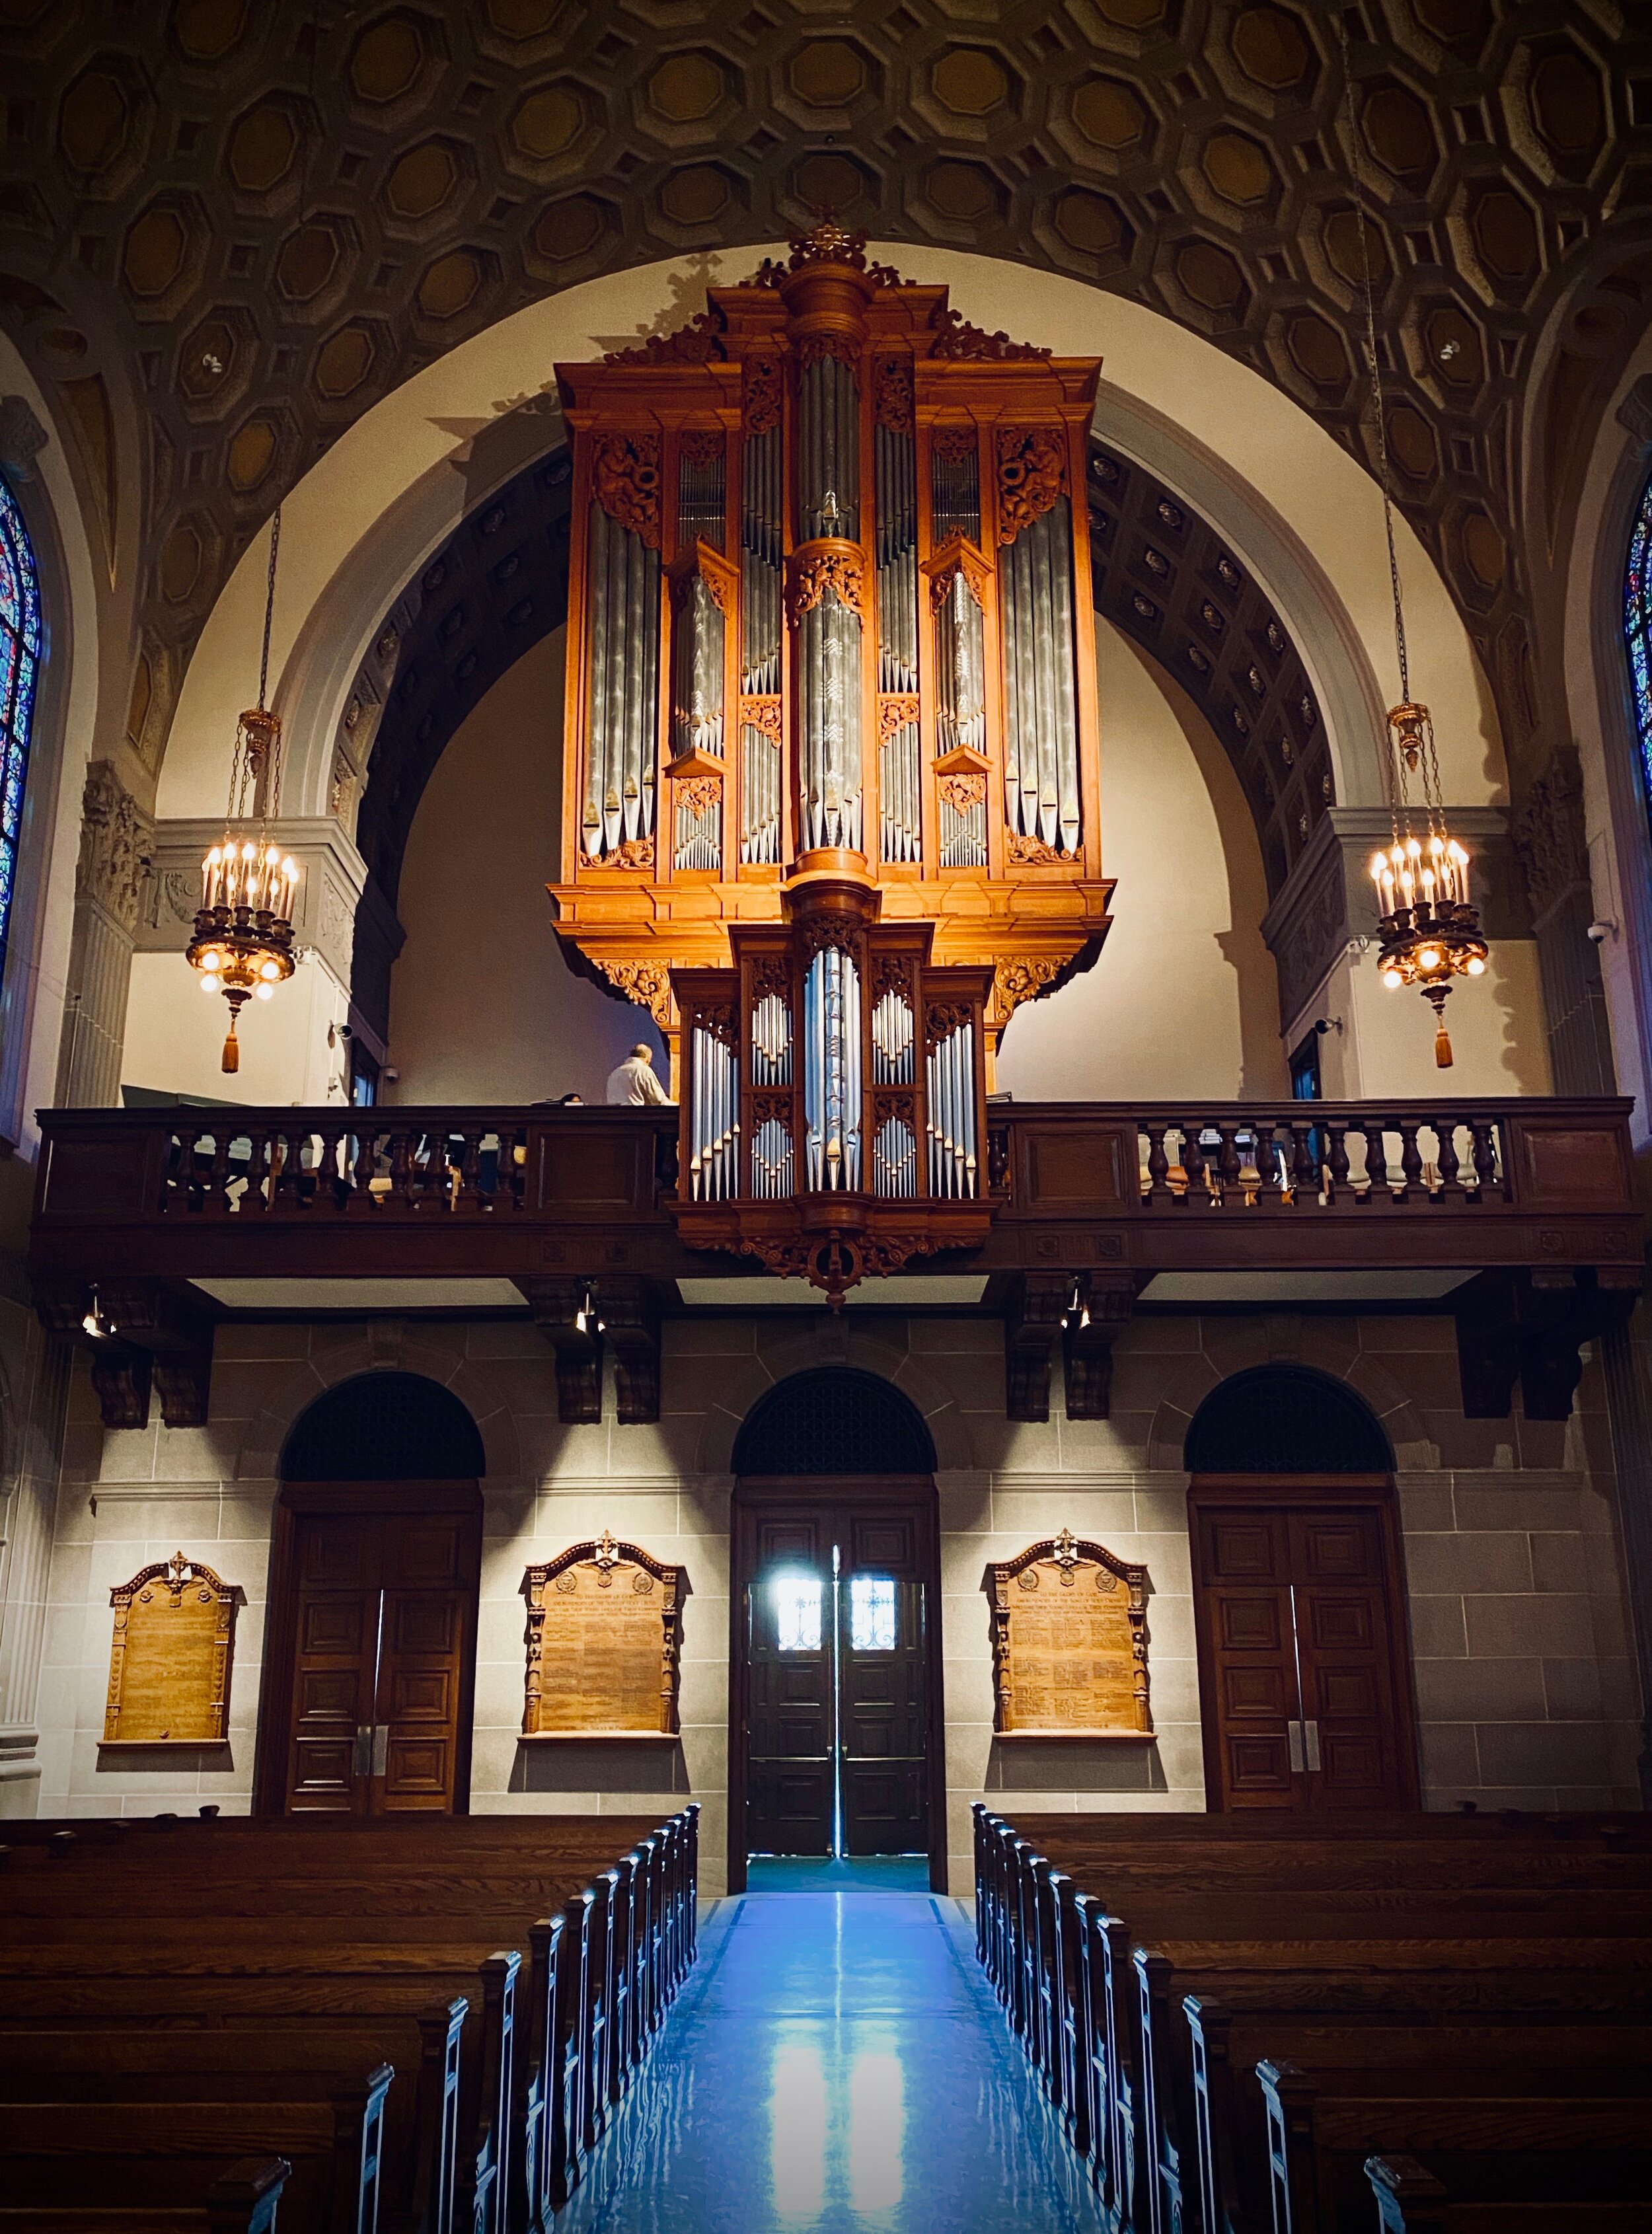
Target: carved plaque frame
{"points": [[625, 1581], [1091, 1573], [148, 1703]]}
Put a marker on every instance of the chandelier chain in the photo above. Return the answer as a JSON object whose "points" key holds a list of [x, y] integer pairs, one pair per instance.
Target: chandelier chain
{"points": [[269, 610], [1379, 397]]}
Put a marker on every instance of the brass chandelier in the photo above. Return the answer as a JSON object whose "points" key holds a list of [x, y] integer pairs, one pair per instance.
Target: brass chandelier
{"points": [[243, 941], [1428, 928]]}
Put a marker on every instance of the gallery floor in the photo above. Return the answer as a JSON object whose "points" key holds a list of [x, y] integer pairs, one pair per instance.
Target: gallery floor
{"points": [[836, 2064]]}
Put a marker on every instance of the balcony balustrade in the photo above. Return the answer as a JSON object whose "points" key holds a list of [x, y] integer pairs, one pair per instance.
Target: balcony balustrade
{"points": [[1531, 1202]]}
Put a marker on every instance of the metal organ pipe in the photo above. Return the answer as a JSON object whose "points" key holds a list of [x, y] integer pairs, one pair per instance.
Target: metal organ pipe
{"points": [[832, 1071], [713, 1165], [950, 1075], [1040, 704], [895, 460], [830, 639], [760, 653], [624, 685]]}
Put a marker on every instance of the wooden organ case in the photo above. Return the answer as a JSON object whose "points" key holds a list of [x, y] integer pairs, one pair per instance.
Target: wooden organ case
{"points": [[831, 805]]}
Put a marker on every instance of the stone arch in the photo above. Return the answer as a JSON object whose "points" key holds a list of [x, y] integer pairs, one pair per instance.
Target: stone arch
{"points": [[379, 1347], [838, 1346], [1309, 1342]]}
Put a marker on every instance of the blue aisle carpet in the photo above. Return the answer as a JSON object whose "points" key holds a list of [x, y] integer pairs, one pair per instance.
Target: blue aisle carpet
{"points": [[836, 2064]]}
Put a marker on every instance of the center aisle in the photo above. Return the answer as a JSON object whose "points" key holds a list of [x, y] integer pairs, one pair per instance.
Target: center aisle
{"points": [[836, 2064]]}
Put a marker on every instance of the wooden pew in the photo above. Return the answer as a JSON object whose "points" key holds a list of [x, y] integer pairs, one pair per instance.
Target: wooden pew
{"points": [[498, 2112], [1410, 2200], [1099, 2017], [243, 2200], [1506, 2141]]}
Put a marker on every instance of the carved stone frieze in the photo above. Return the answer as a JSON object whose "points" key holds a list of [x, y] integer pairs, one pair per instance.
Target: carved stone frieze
{"points": [[1548, 833], [116, 837]]}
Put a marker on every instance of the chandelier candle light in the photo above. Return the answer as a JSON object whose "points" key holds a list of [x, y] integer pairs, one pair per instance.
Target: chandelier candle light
{"points": [[1428, 928], [242, 943]]}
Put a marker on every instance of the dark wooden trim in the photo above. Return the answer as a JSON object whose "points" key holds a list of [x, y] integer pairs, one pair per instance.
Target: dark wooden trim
{"points": [[280, 1640], [1376, 1492], [913, 1492]]}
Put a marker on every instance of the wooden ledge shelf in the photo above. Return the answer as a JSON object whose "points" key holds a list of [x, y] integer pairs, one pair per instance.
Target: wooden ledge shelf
{"points": [[1082, 1737], [599, 1737], [163, 1745]]}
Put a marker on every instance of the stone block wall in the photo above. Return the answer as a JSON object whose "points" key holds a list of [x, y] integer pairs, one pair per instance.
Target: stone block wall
{"points": [[1524, 1680]]}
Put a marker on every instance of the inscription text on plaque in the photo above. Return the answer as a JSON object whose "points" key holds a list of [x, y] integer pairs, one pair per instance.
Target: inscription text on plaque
{"points": [[602, 1643], [1069, 1643]]}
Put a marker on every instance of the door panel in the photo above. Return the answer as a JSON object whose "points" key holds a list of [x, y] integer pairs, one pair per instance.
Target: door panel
{"points": [[885, 1726], [1300, 1634], [383, 1614], [791, 1794], [335, 1556], [1244, 1570]]}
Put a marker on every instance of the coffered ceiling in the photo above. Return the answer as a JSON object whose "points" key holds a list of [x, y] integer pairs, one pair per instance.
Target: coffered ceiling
{"points": [[264, 216]]}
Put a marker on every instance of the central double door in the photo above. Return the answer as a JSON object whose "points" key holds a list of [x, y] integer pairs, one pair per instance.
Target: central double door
{"points": [[836, 1649]]}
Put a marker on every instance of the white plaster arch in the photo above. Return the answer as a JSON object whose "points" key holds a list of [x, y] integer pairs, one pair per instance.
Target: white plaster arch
{"points": [[1602, 721], [385, 1347], [1300, 511]]}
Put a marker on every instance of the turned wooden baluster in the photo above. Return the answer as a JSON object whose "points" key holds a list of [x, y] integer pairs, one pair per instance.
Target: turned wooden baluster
{"points": [[1336, 1173], [467, 1191], [1304, 1169], [1192, 1161], [218, 1194], [330, 1182], [1485, 1158], [255, 1201], [1158, 1163], [1227, 1162], [1446, 1161], [189, 1167], [359, 1170], [1410, 1157]]}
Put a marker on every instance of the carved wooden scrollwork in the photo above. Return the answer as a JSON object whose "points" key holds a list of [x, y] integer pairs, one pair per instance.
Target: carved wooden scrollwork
{"points": [[700, 793], [1032, 474], [760, 394], [961, 792], [1015, 982], [762, 714], [630, 853], [814, 347], [955, 441], [828, 929], [647, 984], [1027, 851], [626, 480], [704, 445], [698, 343], [895, 712], [837, 568], [892, 394]]}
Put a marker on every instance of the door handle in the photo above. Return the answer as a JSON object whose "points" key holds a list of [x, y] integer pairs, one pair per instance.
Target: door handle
{"points": [[361, 1764], [1311, 1730], [1295, 1730], [382, 1747]]}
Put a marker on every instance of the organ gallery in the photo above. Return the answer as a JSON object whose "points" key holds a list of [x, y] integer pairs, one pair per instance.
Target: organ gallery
{"points": [[826, 1100]]}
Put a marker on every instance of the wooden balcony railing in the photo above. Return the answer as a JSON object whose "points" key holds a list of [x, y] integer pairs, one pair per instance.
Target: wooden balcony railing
{"points": [[443, 1191]]}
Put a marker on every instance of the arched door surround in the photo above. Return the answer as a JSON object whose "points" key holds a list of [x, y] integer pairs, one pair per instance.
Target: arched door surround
{"points": [[835, 1721], [1299, 1599], [370, 1648]]}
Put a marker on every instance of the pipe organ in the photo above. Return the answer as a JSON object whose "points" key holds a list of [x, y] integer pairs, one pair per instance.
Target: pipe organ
{"points": [[830, 808]]}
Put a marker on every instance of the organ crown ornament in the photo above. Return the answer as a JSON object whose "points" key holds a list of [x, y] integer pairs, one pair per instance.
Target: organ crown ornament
{"points": [[830, 754]]}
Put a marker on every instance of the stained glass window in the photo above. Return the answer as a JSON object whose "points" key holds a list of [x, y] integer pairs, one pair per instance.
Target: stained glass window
{"points": [[1637, 630], [871, 1613], [19, 666]]}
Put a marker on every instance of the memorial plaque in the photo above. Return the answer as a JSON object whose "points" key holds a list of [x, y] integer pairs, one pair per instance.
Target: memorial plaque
{"points": [[603, 1622], [169, 1664], [1069, 1643]]}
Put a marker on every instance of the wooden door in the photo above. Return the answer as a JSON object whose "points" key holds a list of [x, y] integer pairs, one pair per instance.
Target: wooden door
{"points": [[844, 1754], [1303, 1663], [372, 1649], [882, 1687], [793, 1759]]}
